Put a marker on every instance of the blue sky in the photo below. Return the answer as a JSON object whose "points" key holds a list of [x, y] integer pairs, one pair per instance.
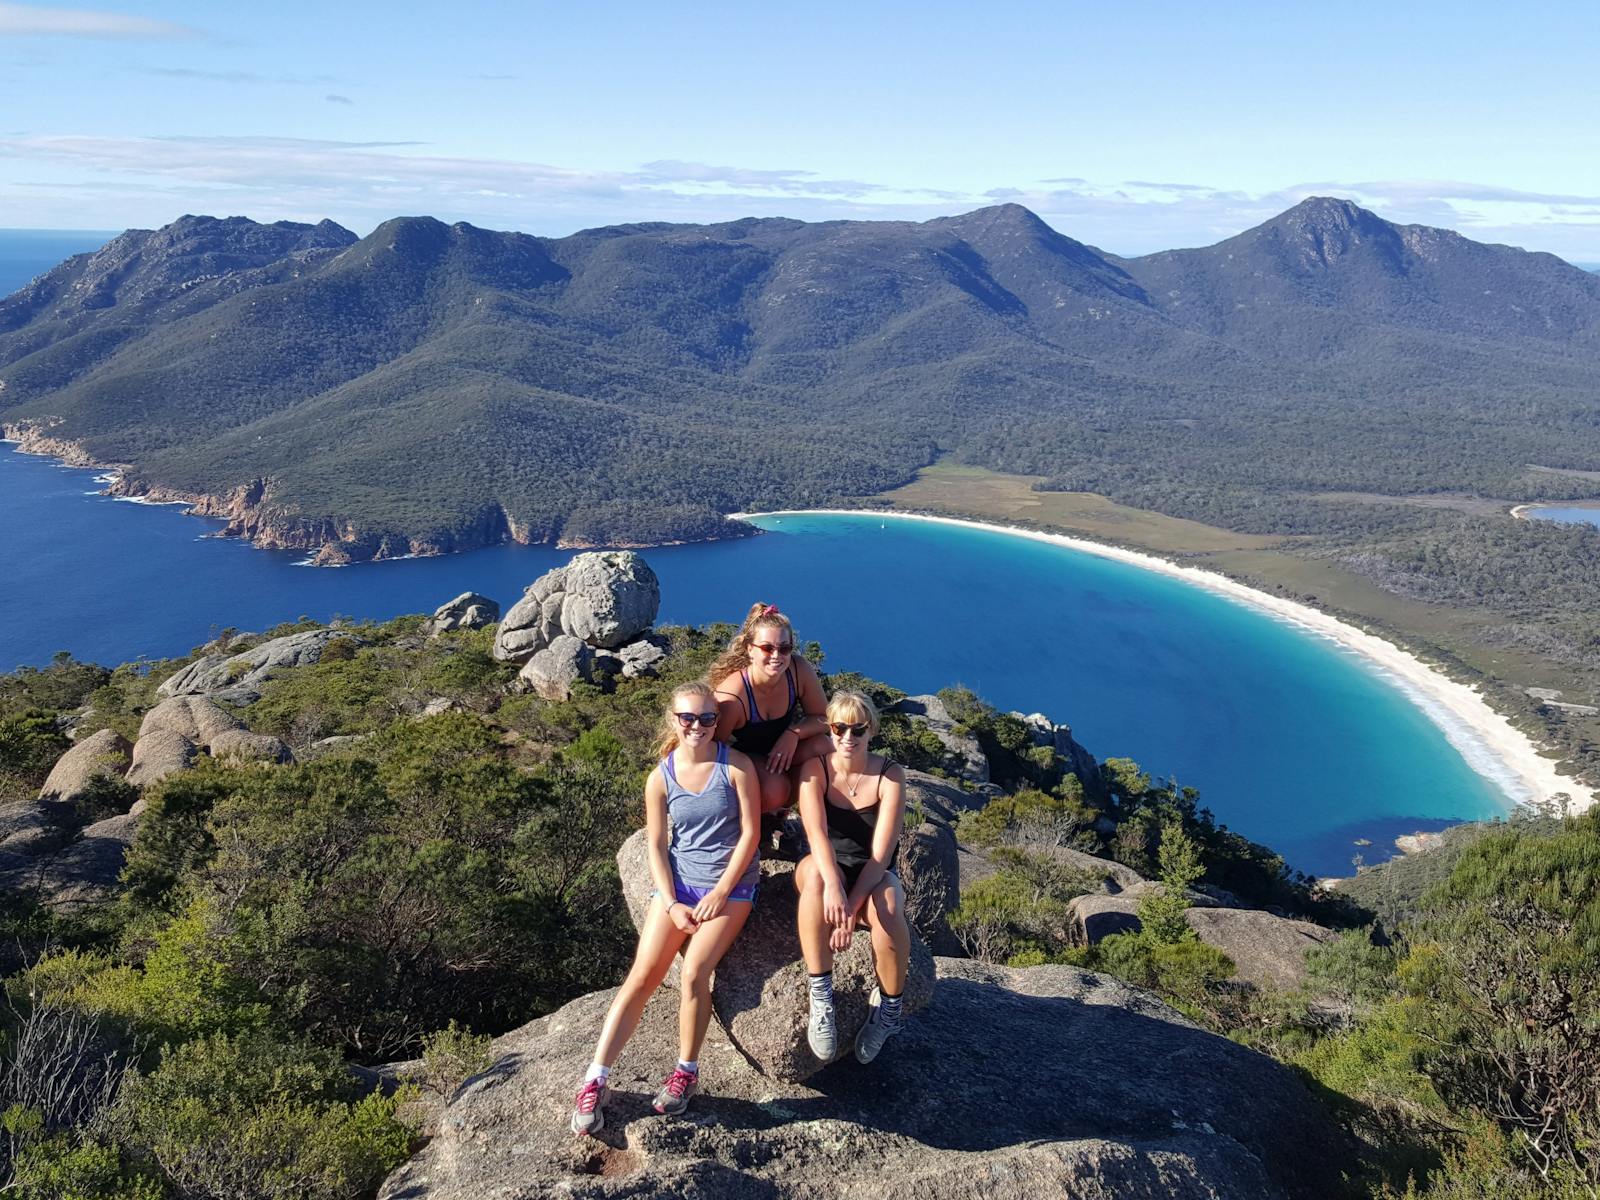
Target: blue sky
{"points": [[1134, 127]]}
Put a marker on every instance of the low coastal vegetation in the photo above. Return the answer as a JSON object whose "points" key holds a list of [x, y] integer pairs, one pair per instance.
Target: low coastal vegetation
{"points": [[438, 865]]}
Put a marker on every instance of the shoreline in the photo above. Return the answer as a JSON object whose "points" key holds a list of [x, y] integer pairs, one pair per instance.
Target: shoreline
{"points": [[1489, 743]]}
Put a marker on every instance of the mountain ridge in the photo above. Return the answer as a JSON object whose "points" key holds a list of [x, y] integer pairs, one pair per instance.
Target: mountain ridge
{"points": [[432, 386]]}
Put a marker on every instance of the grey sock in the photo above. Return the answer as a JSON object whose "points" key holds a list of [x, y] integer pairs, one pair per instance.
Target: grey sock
{"points": [[821, 988]]}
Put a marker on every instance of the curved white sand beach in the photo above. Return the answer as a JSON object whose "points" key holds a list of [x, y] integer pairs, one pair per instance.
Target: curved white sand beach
{"points": [[1491, 745]]}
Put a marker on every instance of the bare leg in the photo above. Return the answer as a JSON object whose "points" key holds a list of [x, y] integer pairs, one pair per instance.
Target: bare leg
{"points": [[775, 789], [707, 945], [657, 944], [814, 928], [891, 938]]}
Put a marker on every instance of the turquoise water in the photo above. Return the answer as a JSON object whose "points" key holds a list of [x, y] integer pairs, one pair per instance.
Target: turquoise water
{"points": [[1567, 516], [1291, 740]]}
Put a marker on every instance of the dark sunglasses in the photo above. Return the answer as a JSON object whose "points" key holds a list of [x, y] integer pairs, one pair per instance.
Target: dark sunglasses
{"points": [[687, 720], [782, 648], [841, 730]]}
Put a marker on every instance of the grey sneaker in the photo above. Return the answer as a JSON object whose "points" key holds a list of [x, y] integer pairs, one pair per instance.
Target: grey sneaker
{"points": [[876, 1031], [822, 1034], [675, 1091], [588, 1110]]}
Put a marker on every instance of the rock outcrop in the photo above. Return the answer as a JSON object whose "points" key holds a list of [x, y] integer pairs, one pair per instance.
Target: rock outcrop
{"points": [[1267, 950], [759, 991], [552, 671], [238, 676], [242, 744], [197, 718], [1059, 738], [104, 753], [964, 757], [81, 873], [467, 611], [605, 599], [1124, 1098]]}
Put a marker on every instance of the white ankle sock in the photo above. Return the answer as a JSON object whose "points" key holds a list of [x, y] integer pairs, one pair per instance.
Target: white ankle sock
{"points": [[693, 1066], [598, 1071]]}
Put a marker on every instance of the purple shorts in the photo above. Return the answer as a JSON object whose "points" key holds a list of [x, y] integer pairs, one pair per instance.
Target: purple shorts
{"points": [[744, 893]]}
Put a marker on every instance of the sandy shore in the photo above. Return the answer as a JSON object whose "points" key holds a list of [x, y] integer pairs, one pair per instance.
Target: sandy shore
{"points": [[1488, 741]]}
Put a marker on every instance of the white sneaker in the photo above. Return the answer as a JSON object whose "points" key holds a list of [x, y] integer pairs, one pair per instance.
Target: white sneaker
{"points": [[876, 1031], [822, 1034]]}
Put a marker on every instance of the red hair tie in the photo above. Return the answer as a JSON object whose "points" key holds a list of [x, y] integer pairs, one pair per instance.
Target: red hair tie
{"points": [[768, 610]]}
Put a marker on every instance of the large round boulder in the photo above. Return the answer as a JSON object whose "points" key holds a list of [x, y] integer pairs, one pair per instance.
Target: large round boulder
{"points": [[104, 753], [611, 597], [1045, 1081], [532, 621], [160, 753]]}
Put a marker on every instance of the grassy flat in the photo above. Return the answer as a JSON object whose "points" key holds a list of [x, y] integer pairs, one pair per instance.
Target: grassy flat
{"points": [[992, 496], [1459, 638]]}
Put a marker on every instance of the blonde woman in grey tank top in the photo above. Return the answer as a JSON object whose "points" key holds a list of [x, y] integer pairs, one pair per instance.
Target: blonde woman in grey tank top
{"points": [[702, 819]]}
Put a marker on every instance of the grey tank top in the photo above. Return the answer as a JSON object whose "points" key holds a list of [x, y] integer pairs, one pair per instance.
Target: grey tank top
{"points": [[705, 826]]}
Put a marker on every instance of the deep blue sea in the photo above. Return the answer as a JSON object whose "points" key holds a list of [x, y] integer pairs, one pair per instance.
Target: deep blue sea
{"points": [[25, 253], [1291, 740]]}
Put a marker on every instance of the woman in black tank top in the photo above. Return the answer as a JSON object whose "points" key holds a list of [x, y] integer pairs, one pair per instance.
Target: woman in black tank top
{"points": [[852, 803], [771, 702]]}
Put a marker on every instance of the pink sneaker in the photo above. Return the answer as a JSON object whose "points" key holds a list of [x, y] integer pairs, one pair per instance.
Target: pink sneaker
{"points": [[588, 1111], [675, 1091]]}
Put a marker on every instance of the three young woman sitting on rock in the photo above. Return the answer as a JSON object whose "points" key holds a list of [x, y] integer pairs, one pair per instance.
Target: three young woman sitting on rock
{"points": [[734, 750]]}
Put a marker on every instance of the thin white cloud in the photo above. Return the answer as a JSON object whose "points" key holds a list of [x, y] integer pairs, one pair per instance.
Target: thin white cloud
{"points": [[362, 183], [30, 20], [332, 98]]}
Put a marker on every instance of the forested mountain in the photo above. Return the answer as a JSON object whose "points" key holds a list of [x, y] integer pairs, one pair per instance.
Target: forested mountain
{"points": [[433, 386]]}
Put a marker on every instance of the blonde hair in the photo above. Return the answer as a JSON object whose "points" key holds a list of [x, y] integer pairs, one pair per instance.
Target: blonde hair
{"points": [[668, 741], [852, 708], [737, 656]]}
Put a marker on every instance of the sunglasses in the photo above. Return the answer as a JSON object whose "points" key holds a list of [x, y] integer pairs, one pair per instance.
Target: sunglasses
{"points": [[782, 648], [852, 730], [688, 720]]}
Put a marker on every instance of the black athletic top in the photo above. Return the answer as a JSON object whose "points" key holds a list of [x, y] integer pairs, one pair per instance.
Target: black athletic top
{"points": [[757, 736]]}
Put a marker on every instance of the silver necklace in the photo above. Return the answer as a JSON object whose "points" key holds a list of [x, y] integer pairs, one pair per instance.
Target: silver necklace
{"points": [[849, 789]]}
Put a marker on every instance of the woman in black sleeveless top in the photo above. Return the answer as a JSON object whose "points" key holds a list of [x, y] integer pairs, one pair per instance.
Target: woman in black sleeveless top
{"points": [[852, 803], [771, 702]]}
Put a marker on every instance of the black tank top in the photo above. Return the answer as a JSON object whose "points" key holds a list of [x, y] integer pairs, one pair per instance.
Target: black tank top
{"points": [[757, 736], [850, 830]]}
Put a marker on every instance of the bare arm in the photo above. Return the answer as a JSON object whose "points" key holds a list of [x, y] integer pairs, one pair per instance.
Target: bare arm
{"points": [[885, 836]]}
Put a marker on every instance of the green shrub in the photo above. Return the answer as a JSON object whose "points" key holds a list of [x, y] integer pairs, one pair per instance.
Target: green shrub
{"points": [[453, 1055], [66, 1167], [258, 1118], [1507, 959]]}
